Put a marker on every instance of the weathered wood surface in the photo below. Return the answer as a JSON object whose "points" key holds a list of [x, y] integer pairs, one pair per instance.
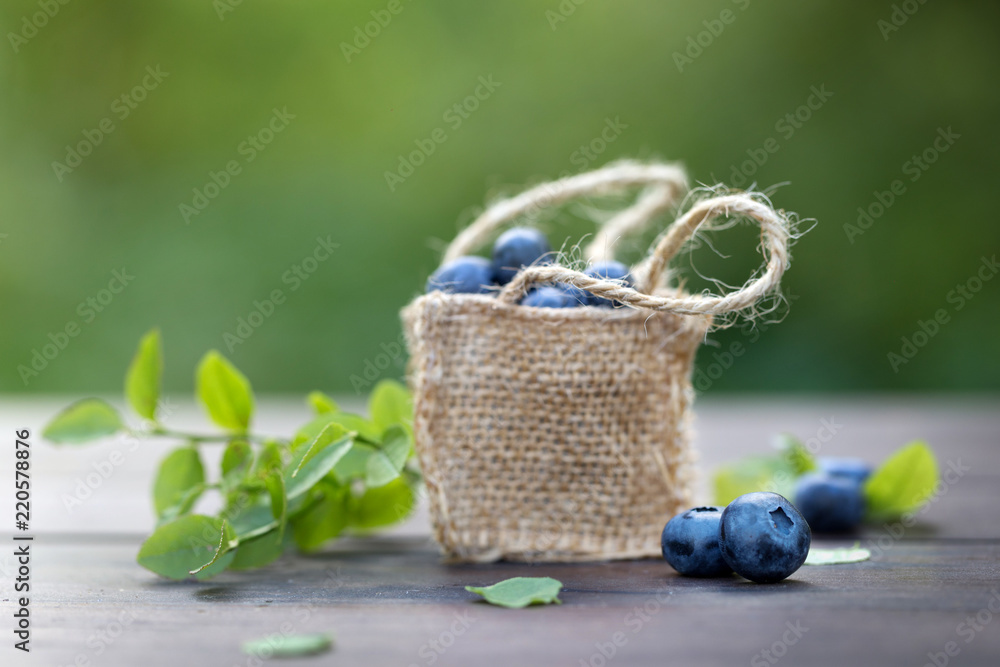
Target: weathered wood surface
{"points": [[391, 601]]}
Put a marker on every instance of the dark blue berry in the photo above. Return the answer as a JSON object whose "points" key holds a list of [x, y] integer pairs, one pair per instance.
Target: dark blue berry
{"points": [[577, 296], [517, 248], [548, 297], [611, 270], [465, 275], [830, 503], [690, 543], [856, 469], [763, 537]]}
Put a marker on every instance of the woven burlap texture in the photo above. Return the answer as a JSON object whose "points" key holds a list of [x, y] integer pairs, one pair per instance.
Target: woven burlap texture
{"points": [[563, 434]]}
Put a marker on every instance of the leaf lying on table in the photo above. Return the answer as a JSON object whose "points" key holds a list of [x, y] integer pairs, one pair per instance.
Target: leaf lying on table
{"points": [[520, 592], [855, 554], [903, 483], [288, 646]]}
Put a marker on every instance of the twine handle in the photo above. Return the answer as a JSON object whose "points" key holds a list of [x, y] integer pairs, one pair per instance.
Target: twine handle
{"points": [[668, 182], [775, 234]]}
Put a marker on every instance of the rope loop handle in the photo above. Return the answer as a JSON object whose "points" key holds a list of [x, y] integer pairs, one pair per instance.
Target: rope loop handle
{"points": [[665, 183]]}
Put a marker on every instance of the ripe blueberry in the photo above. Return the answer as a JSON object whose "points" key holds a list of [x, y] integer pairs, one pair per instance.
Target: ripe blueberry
{"points": [[465, 275], [856, 469], [830, 503], [517, 248], [763, 537], [548, 297], [611, 270], [690, 543]]}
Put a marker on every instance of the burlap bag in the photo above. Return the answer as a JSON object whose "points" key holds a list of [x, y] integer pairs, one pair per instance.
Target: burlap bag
{"points": [[563, 434]]}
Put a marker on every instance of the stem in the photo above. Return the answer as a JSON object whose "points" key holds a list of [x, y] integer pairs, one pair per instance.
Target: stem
{"points": [[211, 439]]}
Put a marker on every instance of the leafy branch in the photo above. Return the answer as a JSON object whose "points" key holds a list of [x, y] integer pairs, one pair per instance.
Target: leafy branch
{"points": [[338, 472]]}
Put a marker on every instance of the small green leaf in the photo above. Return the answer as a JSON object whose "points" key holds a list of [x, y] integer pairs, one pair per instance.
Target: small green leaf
{"points": [[385, 464], [226, 544], [520, 592], [253, 520], [83, 421], [275, 483], [180, 546], [325, 518], [390, 405], [322, 403], [259, 551], [354, 463], [225, 392], [288, 646], [268, 459], [795, 454], [311, 463], [855, 554], [903, 483], [236, 461], [179, 473], [757, 473], [382, 506], [350, 422], [183, 505], [142, 382]]}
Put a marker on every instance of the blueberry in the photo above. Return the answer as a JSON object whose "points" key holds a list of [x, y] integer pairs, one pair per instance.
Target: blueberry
{"points": [[763, 537], [856, 469], [465, 275], [577, 296], [830, 503], [516, 248], [690, 543], [611, 270], [548, 297]]}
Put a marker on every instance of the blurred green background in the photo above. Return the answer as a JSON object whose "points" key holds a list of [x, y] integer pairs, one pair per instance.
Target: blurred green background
{"points": [[561, 73]]}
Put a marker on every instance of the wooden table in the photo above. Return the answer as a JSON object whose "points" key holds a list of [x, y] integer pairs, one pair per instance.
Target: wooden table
{"points": [[389, 600]]}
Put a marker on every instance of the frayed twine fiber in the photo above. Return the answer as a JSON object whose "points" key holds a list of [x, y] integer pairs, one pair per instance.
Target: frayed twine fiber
{"points": [[563, 434]]}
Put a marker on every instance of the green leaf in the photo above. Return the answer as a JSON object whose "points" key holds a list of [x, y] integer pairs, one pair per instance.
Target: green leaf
{"points": [[259, 551], [385, 464], [288, 646], [275, 483], [322, 403], [390, 405], [354, 464], [312, 462], [185, 544], [382, 506], [903, 483], [83, 421], [268, 459], [325, 518], [179, 473], [795, 454], [236, 461], [225, 392], [350, 422], [253, 520], [142, 382], [520, 592], [853, 554], [226, 544], [758, 473], [183, 505]]}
